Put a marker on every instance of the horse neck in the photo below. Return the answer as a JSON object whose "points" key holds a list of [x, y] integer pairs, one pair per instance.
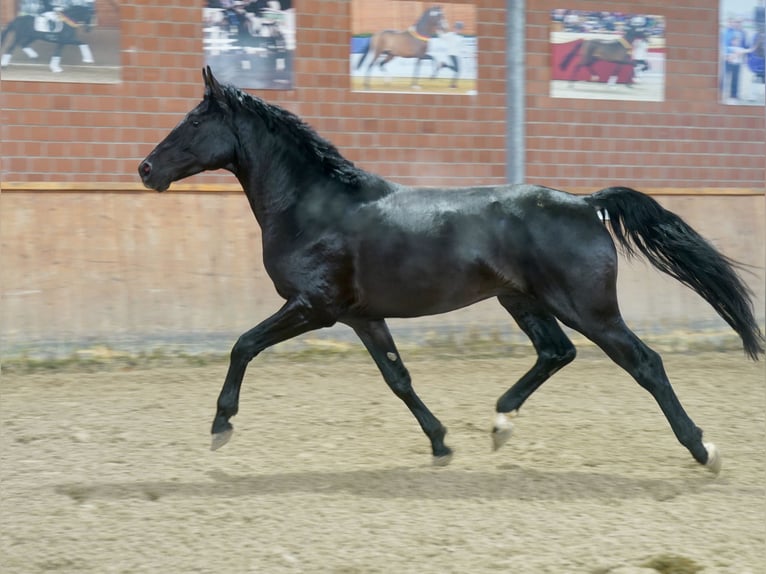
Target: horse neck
{"points": [[269, 173], [424, 27], [79, 14]]}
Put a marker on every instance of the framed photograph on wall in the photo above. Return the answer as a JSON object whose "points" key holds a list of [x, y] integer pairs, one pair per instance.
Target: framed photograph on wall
{"points": [[250, 44], [741, 48], [603, 55], [60, 41], [413, 47]]}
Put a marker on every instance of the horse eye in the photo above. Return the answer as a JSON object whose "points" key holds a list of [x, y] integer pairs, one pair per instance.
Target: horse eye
{"points": [[195, 123]]}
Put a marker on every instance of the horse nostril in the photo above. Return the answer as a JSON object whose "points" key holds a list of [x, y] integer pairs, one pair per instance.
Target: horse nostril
{"points": [[145, 168]]}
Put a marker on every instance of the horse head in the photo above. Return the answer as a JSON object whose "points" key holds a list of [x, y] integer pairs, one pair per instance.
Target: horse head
{"points": [[205, 139], [432, 22], [81, 16]]}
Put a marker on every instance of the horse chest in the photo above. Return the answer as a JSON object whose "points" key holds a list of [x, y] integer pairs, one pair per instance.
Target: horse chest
{"points": [[319, 268]]}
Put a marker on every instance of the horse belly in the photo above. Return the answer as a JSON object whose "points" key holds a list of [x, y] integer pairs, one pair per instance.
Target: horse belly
{"points": [[423, 280]]}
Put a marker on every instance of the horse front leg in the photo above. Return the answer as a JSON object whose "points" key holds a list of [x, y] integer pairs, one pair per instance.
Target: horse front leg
{"points": [[86, 53], [55, 63], [379, 343], [416, 71], [294, 318]]}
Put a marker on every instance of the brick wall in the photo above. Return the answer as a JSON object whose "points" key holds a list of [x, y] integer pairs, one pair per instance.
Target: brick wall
{"points": [[96, 133], [87, 133]]}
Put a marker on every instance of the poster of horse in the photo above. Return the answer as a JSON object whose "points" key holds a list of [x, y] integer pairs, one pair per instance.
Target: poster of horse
{"points": [[413, 47], [741, 71], [603, 55], [60, 41], [251, 43]]}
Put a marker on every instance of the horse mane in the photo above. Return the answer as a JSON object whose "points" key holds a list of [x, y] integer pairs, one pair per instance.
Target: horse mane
{"points": [[301, 136]]}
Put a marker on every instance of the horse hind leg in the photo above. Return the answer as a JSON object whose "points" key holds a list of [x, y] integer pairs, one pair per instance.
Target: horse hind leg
{"points": [[605, 327], [554, 351], [55, 65], [416, 71], [645, 366], [5, 59], [55, 62]]}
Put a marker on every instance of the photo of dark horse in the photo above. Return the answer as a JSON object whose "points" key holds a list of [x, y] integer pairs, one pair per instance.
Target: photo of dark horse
{"points": [[59, 28], [618, 52], [386, 45], [343, 245]]}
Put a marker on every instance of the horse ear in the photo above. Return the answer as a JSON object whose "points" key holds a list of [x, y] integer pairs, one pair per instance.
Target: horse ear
{"points": [[212, 87]]}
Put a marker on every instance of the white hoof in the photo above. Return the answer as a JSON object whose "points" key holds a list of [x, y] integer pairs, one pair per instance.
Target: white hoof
{"points": [[502, 430], [714, 462], [30, 52], [220, 439]]}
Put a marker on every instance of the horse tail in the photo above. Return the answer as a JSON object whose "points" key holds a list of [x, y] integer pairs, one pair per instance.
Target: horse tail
{"points": [[572, 53], [641, 224], [366, 51]]}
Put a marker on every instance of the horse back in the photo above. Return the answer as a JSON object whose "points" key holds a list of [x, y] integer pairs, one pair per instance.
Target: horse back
{"points": [[444, 249]]}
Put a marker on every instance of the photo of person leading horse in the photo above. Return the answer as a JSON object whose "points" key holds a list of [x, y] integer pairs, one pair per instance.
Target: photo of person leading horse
{"points": [[742, 55], [413, 47], [60, 40], [607, 55]]}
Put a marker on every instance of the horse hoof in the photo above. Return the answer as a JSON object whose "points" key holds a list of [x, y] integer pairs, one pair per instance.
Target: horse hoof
{"points": [[502, 430], [442, 460], [714, 462], [221, 438]]}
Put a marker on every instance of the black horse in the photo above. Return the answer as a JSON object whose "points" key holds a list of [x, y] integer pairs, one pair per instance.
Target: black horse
{"points": [[61, 29], [411, 43], [344, 245], [618, 52]]}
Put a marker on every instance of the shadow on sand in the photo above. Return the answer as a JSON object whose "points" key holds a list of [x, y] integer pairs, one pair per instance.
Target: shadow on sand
{"points": [[510, 482]]}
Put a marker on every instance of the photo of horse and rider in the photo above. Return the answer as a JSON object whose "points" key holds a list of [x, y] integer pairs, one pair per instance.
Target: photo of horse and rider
{"points": [[250, 43], [605, 55], [414, 47], [60, 41], [742, 54]]}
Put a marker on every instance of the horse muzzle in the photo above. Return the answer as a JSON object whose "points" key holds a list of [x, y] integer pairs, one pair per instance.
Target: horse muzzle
{"points": [[145, 171]]}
